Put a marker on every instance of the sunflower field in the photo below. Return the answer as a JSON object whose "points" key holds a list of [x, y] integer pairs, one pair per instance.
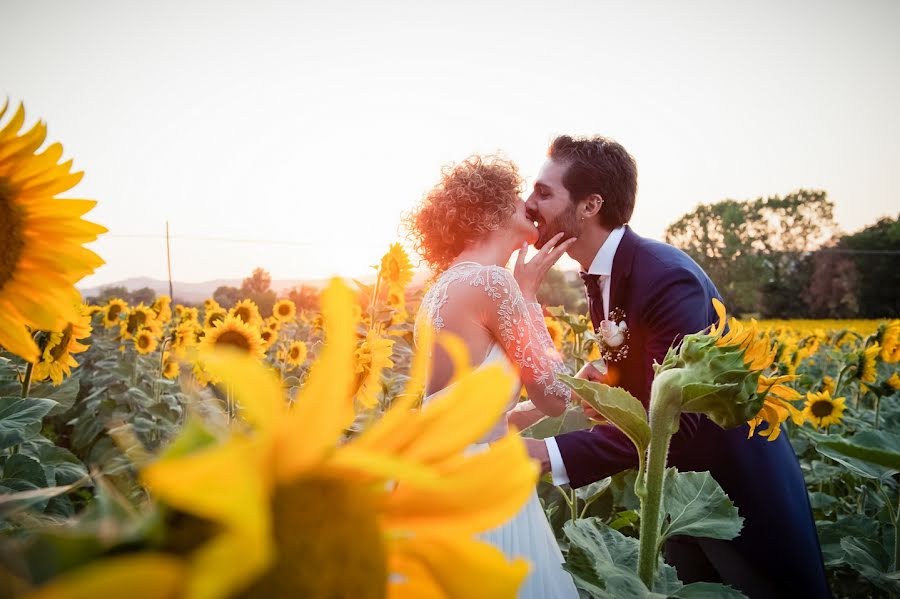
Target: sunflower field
{"points": [[174, 450]]}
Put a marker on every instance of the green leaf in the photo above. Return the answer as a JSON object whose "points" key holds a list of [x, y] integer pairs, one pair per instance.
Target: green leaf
{"points": [[17, 414], [706, 590], [616, 405], [695, 505], [591, 492], [831, 533], [26, 468], [573, 419], [871, 559], [603, 562], [872, 454]]}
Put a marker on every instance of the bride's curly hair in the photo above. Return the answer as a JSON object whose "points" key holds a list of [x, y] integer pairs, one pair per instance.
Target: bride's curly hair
{"points": [[473, 198]]}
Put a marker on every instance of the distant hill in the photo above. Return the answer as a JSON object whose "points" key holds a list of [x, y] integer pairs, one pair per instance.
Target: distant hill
{"points": [[197, 292]]}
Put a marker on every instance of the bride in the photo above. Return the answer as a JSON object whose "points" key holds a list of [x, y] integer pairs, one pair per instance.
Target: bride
{"points": [[466, 228]]}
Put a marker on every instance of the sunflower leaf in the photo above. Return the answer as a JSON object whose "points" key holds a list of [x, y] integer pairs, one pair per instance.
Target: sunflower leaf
{"points": [[17, 415], [695, 505], [603, 562], [616, 405], [871, 454]]}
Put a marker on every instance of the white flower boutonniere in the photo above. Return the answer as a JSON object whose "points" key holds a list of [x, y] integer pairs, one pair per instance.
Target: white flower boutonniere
{"points": [[612, 336]]}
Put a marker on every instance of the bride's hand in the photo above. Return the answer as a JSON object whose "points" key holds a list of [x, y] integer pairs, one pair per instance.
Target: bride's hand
{"points": [[530, 274]]}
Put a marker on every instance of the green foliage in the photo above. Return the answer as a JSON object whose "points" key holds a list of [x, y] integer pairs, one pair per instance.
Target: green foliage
{"points": [[756, 251], [616, 405], [695, 505], [879, 277], [603, 563]]}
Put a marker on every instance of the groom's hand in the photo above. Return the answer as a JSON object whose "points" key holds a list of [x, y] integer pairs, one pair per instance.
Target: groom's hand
{"points": [[537, 449], [590, 373]]}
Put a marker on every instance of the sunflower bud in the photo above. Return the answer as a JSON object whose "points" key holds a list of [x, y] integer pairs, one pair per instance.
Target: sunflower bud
{"points": [[720, 372]]}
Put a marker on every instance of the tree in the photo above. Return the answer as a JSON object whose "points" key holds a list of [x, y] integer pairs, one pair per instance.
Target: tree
{"points": [[757, 252], [833, 287], [257, 287], [227, 296], [305, 297], [144, 295], [876, 251], [559, 290]]}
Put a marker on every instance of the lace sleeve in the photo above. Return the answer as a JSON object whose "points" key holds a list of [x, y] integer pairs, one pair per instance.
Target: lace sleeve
{"points": [[524, 333]]}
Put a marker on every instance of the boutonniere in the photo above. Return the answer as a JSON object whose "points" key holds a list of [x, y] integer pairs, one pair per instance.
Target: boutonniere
{"points": [[612, 336]]}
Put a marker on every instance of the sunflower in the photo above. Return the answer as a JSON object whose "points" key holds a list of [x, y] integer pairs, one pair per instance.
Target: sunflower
{"points": [[247, 311], [184, 337], [867, 363], [396, 269], [284, 310], [296, 354], [269, 337], [372, 356], [162, 307], [556, 331], [56, 359], [113, 311], [822, 410], [894, 381], [41, 238], [214, 315], [189, 314], [758, 354], [210, 304], [391, 513], [171, 367], [138, 318], [233, 332], [145, 341]]}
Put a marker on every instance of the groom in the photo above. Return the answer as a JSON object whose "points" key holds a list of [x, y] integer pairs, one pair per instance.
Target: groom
{"points": [[587, 189]]}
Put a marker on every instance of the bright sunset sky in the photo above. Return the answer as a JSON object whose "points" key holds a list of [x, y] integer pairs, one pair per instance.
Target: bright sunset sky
{"points": [[318, 124]]}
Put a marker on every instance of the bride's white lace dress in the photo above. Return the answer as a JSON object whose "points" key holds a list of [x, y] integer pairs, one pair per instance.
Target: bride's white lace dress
{"points": [[527, 534]]}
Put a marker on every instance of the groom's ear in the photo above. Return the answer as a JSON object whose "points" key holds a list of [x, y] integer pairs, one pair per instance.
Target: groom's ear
{"points": [[592, 205]]}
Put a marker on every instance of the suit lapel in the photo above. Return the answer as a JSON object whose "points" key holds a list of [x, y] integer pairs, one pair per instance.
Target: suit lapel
{"points": [[621, 269]]}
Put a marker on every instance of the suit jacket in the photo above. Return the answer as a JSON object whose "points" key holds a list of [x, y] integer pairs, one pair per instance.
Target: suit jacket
{"points": [[666, 295]]}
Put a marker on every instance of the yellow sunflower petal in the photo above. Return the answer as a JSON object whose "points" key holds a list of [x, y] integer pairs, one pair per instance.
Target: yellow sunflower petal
{"points": [[139, 576]]}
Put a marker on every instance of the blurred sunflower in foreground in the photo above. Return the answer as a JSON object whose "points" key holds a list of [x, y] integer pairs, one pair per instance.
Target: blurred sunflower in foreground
{"points": [[41, 238], [296, 513]]}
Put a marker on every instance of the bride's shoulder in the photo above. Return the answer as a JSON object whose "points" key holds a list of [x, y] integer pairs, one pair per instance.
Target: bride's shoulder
{"points": [[473, 279]]}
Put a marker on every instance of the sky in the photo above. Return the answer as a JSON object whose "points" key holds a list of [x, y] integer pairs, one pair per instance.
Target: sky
{"points": [[294, 135]]}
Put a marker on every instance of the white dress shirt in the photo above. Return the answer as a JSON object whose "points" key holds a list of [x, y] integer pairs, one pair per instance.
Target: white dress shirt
{"points": [[602, 265]]}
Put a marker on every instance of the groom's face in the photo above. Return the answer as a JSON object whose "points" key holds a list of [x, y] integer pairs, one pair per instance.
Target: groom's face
{"points": [[550, 205]]}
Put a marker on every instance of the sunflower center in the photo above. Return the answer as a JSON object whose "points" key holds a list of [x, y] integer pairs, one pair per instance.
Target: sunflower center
{"points": [[295, 353], [11, 238], [821, 409], [59, 350], [135, 321], [144, 341], [284, 310], [234, 339], [114, 312], [243, 314], [328, 544]]}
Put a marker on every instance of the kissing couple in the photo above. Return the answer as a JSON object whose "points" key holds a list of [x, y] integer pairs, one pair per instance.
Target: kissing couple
{"points": [[466, 229]]}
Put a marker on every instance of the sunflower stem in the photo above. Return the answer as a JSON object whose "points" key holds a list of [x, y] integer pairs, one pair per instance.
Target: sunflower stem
{"points": [[877, 409], [26, 381], [573, 505], [665, 410], [897, 535]]}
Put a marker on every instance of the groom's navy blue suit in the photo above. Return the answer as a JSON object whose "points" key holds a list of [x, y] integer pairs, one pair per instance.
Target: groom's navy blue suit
{"points": [[666, 295]]}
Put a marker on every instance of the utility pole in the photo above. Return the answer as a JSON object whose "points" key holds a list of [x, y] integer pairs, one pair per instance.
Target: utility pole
{"points": [[169, 262]]}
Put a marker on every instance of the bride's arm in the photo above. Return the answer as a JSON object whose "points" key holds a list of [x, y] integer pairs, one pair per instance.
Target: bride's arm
{"points": [[520, 328]]}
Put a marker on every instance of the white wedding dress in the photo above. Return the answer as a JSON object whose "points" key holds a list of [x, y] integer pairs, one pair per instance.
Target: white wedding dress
{"points": [[527, 534]]}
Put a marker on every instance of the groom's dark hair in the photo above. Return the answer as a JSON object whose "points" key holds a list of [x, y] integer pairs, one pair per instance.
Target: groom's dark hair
{"points": [[602, 166]]}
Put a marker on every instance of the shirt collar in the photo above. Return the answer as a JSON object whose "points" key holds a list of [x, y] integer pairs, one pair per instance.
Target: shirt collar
{"points": [[603, 261]]}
